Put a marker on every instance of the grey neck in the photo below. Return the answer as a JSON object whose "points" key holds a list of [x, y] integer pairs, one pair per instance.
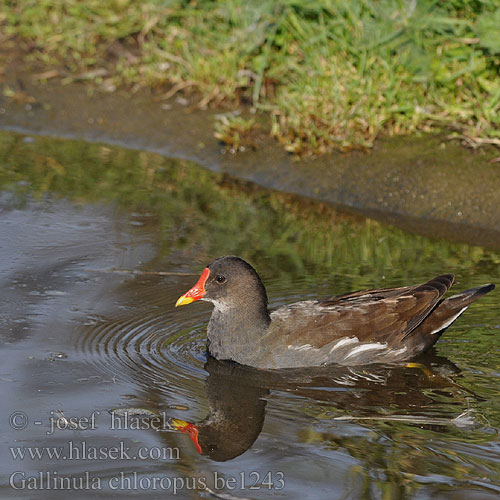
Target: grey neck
{"points": [[234, 333]]}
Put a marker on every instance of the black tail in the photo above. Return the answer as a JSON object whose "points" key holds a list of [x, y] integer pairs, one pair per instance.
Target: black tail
{"points": [[466, 297], [443, 315]]}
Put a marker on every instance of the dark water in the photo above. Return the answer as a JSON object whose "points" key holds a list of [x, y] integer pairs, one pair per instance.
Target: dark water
{"points": [[88, 326]]}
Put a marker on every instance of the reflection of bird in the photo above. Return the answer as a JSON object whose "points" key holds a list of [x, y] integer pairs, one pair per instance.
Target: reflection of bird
{"points": [[236, 413], [237, 397], [372, 326]]}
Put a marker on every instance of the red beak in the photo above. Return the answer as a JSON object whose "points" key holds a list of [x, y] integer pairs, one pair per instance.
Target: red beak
{"points": [[190, 429], [197, 292]]}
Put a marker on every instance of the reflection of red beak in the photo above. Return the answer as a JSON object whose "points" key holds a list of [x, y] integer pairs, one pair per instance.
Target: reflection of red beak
{"points": [[197, 292], [190, 429]]}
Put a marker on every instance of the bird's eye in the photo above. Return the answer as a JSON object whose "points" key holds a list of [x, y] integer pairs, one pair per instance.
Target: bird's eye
{"points": [[220, 278], [212, 447]]}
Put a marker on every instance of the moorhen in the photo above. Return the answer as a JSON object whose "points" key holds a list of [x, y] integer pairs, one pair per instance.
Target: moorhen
{"points": [[387, 325]]}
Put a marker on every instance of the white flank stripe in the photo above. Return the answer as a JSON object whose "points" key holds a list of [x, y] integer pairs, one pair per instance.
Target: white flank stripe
{"points": [[397, 352], [366, 347], [301, 347], [344, 341], [449, 322]]}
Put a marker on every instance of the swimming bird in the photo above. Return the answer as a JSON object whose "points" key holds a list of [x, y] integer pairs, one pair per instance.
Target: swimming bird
{"points": [[385, 325]]}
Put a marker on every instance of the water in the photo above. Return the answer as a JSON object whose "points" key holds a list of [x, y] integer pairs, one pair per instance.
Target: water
{"points": [[89, 331]]}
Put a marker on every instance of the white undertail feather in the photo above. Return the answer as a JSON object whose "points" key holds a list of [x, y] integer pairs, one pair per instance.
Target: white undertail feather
{"points": [[449, 322]]}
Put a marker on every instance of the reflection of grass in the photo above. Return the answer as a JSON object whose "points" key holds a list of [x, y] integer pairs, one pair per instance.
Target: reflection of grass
{"points": [[207, 215], [407, 458], [327, 74]]}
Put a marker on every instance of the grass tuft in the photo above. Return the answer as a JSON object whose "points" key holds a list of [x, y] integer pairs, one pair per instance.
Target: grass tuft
{"points": [[327, 74]]}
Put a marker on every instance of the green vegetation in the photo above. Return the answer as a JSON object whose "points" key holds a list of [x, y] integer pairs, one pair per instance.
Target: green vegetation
{"points": [[325, 74], [205, 215]]}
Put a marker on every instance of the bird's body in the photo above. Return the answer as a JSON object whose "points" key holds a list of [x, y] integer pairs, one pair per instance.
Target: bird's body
{"points": [[387, 325]]}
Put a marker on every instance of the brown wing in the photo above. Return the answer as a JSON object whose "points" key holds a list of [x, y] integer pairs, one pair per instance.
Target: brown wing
{"points": [[382, 315]]}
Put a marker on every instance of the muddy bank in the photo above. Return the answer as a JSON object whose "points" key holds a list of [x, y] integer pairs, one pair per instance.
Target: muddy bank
{"points": [[425, 185]]}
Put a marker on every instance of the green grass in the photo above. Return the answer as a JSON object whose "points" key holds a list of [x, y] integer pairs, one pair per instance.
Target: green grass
{"points": [[203, 214], [324, 74]]}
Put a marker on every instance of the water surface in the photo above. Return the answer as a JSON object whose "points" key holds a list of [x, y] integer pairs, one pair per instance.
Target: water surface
{"points": [[98, 243]]}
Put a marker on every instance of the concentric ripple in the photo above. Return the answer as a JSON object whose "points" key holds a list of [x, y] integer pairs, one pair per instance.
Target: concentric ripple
{"points": [[149, 342]]}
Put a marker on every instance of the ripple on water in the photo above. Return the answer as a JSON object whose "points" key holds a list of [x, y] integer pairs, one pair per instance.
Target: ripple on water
{"points": [[150, 343]]}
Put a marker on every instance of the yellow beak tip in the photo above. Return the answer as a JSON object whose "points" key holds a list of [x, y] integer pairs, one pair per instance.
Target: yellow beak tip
{"points": [[179, 424], [183, 301]]}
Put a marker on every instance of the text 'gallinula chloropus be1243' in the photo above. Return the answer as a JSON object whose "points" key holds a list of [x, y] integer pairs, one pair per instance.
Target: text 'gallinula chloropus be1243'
{"points": [[385, 325]]}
